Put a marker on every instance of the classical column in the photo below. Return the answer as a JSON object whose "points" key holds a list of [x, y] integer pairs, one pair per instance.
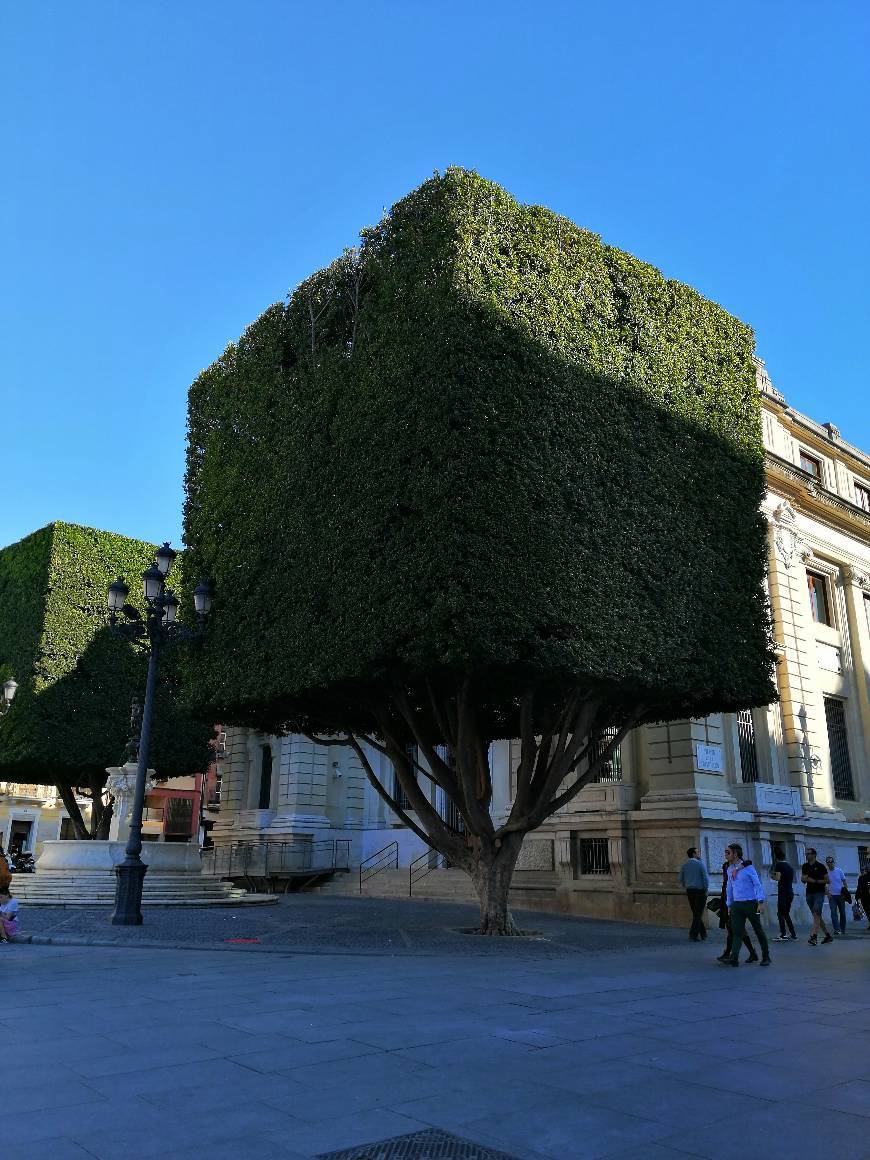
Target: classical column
{"points": [[234, 770], [857, 594], [302, 786]]}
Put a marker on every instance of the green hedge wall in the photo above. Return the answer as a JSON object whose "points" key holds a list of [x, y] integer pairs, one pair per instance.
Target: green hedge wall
{"points": [[485, 440], [71, 714]]}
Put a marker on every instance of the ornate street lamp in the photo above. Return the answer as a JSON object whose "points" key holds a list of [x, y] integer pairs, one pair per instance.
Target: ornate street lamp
{"points": [[10, 688], [162, 630]]}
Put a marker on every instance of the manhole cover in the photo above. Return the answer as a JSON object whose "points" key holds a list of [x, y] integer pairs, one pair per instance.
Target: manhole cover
{"points": [[429, 1145]]}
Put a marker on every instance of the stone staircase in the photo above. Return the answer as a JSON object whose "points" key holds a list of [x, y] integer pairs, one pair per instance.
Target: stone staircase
{"points": [[438, 886], [97, 888]]}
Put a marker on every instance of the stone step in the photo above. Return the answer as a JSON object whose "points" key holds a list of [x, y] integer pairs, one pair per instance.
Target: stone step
{"points": [[438, 885], [81, 888]]}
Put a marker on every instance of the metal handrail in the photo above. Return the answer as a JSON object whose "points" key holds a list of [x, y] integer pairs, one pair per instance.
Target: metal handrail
{"points": [[385, 859], [422, 865], [244, 859]]}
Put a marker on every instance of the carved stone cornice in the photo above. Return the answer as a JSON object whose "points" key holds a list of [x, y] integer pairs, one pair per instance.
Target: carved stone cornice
{"points": [[806, 490]]}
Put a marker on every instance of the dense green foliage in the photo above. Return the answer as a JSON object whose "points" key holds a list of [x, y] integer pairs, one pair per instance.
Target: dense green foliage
{"points": [[71, 715], [484, 441]]}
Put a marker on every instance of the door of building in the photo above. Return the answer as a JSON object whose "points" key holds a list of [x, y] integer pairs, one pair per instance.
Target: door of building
{"points": [[20, 836]]}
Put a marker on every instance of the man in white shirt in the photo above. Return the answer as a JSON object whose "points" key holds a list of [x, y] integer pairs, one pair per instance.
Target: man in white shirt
{"points": [[837, 890], [745, 898]]}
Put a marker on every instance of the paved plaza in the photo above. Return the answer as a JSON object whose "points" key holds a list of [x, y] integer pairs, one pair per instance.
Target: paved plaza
{"points": [[593, 1040]]}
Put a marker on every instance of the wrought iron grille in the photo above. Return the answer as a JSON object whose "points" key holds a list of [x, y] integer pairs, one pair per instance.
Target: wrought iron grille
{"points": [[841, 766], [594, 856], [611, 770], [450, 811], [399, 795], [746, 739]]}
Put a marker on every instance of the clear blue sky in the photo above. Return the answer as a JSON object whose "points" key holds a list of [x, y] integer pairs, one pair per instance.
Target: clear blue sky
{"points": [[169, 169]]}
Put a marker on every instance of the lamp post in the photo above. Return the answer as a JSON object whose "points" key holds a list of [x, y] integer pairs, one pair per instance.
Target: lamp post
{"points": [[10, 688], [161, 630]]}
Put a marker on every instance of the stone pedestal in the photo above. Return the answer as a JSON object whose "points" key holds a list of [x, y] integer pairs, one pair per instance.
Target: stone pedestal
{"points": [[121, 784]]}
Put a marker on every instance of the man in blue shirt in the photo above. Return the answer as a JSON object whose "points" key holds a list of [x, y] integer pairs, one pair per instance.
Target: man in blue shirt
{"points": [[745, 896], [695, 881]]}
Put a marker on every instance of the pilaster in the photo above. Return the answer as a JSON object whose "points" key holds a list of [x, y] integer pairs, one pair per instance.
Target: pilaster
{"points": [[803, 719]]}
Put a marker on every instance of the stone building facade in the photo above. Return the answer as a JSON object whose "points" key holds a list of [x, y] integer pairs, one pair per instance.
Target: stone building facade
{"points": [[794, 774]]}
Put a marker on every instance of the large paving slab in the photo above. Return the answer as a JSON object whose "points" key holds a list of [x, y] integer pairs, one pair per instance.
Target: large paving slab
{"points": [[608, 1040]]}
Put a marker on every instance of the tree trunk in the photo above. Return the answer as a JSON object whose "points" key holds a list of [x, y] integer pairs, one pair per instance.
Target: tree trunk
{"points": [[491, 875], [68, 797], [102, 831]]}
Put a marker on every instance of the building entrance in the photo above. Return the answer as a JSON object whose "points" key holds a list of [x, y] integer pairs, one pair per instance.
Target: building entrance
{"points": [[20, 837]]}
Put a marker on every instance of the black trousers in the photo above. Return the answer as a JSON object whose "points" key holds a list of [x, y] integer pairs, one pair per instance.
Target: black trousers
{"points": [[697, 901], [783, 913]]}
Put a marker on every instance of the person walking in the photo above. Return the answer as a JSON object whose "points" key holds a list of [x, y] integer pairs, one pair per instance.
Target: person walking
{"points": [[782, 872], [838, 895], [725, 924], [745, 897], [814, 875], [696, 882], [862, 893]]}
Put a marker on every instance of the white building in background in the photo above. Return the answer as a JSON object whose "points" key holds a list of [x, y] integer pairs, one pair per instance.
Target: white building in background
{"points": [[794, 774]]}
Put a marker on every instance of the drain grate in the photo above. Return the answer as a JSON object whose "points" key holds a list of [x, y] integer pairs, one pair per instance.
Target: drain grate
{"points": [[428, 1145]]}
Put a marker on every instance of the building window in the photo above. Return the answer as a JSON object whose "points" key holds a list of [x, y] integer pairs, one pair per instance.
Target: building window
{"points": [[594, 856], [864, 858], [862, 496], [820, 604], [746, 740], [179, 817], [841, 766], [611, 770], [264, 799], [399, 796], [811, 465]]}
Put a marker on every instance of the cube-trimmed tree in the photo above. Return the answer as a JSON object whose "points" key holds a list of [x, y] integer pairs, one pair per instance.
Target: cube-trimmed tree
{"points": [[71, 715], [483, 477]]}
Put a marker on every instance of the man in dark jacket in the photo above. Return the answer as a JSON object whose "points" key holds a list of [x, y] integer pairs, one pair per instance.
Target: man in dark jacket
{"points": [[695, 881], [782, 872]]}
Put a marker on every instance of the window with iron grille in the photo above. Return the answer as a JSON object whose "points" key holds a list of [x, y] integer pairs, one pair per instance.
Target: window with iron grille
{"points": [[611, 770], [841, 766], [401, 798], [810, 464], [746, 740], [594, 856], [179, 815], [864, 858], [450, 813], [820, 605], [862, 496]]}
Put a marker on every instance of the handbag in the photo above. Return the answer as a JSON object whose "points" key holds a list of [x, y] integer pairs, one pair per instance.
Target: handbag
{"points": [[714, 904], [857, 911]]}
